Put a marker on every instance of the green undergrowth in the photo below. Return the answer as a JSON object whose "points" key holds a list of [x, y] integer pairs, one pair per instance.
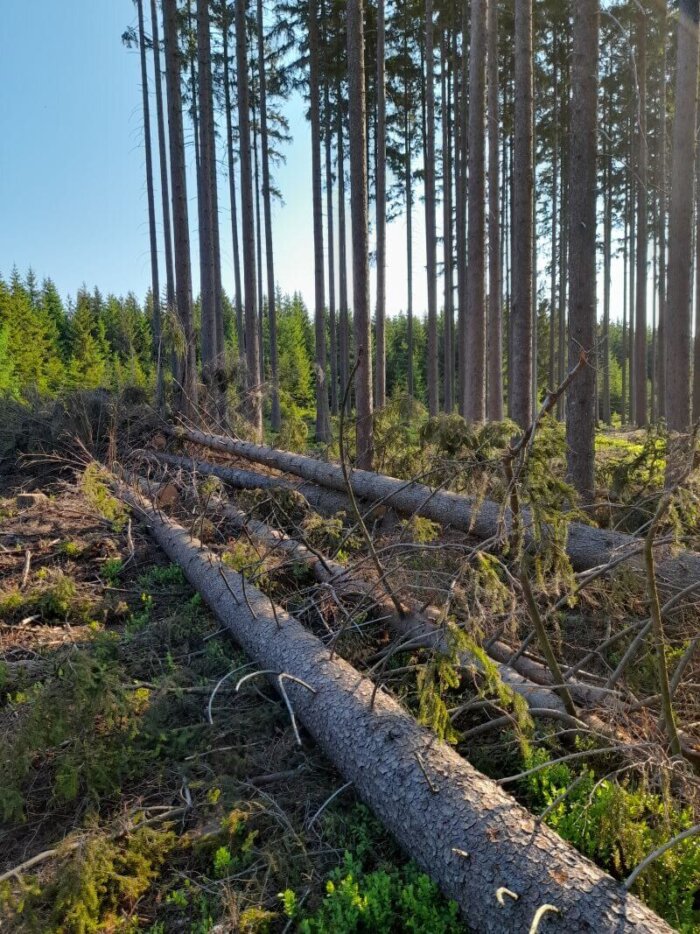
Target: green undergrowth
{"points": [[54, 597], [102, 733], [382, 901], [617, 823]]}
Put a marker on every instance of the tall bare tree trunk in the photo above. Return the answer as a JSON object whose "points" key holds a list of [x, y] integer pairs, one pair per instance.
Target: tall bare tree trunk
{"points": [[677, 312], [332, 322], [660, 374], [640, 329], [253, 400], [696, 344], [238, 292], [448, 380], [275, 419], [163, 159], [153, 242], [555, 194], [520, 362], [607, 263], [563, 229], [344, 323], [461, 135], [580, 419], [409, 248], [632, 292], [623, 349], [380, 327], [207, 217], [495, 314], [187, 371], [323, 429], [475, 370], [430, 215], [258, 246], [360, 234]]}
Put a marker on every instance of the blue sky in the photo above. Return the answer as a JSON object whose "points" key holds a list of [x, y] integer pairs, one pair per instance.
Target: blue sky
{"points": [[72, 178], [72, 187]]}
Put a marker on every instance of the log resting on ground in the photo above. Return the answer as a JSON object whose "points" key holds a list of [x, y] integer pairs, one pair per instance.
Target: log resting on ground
{"points": [[436, 805], [524, 675], [588, 547], [414, 625]]}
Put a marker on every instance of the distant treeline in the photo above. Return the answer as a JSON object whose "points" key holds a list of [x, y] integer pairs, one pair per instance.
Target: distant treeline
{"points": [[49, 346]]}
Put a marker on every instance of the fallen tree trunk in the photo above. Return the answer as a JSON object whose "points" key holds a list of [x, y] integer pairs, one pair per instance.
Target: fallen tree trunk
{"points": [[458, 825], [328, 502], [414, 625], [525, 675], [587, 546]]}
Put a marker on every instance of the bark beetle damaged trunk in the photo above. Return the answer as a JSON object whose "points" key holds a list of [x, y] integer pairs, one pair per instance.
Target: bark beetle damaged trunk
{"points": [[587, 546], [457, 824]]}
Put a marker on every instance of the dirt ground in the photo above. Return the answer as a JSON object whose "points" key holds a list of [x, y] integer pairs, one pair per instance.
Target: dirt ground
{"points": [[108, 664]]}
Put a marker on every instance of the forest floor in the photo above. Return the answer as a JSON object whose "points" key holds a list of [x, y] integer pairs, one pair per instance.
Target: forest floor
{"points": [[161, 820], [157, 803]]}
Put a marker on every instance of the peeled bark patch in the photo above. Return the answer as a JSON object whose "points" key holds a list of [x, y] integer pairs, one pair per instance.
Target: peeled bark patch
{"points": [[434, 803]]}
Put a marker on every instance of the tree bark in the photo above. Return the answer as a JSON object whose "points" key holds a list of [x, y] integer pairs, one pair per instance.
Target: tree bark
{"points": [[461, 134], [696, 344], [580, 420], [275, 418], [332, 322], [186, 376], [344, 322], [640, 328], [380, 325], [360, 235], [408, 182], [238, 292], [495, 310], [447, 230], [520, 368], [163, 159], [253, 399], [258, 246], [323, 428], [587, 546], [153, 242], [677, 313], [607, 265], [475, 370], [430, 215], [208, 213], [472, 813], [660, 375]]}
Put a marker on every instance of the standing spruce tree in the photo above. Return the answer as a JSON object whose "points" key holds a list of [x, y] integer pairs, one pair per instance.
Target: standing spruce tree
{"points": [[640, 324], [163, 160], [323, 429], [152, 237], [211, 333], [677, 312], [475, 352], [360, 235], [495, 307], [380, 333], [186, 375], [430, 213], [520, 357], [580, 420], [275, 417], [253, 399]]}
